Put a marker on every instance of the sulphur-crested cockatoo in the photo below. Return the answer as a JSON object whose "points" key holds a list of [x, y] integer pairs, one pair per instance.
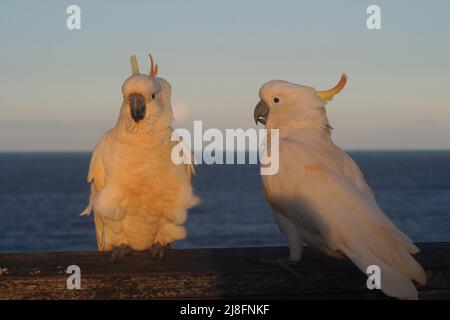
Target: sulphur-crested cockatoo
{"points": [[320, 196], [139, 196]]}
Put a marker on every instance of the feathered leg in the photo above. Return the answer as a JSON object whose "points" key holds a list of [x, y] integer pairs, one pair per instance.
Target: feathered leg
{"points": [[292, 235]]}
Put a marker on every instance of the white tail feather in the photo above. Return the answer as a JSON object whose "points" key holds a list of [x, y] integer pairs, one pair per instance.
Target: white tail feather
{"points": [[394, 283]]}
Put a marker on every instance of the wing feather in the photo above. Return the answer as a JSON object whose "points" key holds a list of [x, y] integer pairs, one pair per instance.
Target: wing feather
{"points": [[96, 173], [336, 210]]}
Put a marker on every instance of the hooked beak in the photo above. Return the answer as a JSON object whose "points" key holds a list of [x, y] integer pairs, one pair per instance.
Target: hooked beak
{"points": [[261, 112], [137, 107]]}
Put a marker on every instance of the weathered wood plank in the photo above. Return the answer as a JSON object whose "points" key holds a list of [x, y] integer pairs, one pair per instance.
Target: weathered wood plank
{"points": [[204, 274]]}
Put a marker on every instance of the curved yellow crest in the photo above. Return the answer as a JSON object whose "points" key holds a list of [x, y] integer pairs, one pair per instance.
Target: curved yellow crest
{"points": [[328, 95]]}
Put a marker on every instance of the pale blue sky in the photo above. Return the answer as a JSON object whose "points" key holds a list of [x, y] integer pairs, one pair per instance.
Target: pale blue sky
{"points": [[60, 89]]}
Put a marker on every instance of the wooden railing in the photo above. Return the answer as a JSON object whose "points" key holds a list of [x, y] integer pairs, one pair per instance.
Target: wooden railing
{"points": [[204, 274]]}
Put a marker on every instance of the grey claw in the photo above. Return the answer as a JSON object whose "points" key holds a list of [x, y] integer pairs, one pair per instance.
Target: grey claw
{"points": [[119, 252], [159, 251]]}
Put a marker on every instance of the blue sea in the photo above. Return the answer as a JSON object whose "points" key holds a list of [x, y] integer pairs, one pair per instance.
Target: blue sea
{"points": [[41, 195]]}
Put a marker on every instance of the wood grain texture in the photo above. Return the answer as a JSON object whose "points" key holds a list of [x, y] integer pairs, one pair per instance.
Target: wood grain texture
{"points": [[205, 274]]}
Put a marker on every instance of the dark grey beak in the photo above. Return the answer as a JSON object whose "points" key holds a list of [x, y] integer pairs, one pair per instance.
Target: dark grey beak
{"points": [[261, 112], [137, 107]]}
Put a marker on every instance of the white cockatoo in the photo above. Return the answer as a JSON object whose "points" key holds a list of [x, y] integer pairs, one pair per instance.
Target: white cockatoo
{"points": [[139, 196], [320, 196]]}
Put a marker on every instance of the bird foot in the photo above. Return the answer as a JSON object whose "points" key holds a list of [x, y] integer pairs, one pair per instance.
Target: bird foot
{"points": [[119, 252], [159, 251], [3, 271], [285, 264]]}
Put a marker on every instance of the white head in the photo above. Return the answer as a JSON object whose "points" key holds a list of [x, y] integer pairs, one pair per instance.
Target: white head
{"points": [[146, 103], [285, 104]]}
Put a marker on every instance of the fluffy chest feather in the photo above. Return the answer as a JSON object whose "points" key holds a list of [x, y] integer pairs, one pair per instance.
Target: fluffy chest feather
{"points": [[139, 178]]}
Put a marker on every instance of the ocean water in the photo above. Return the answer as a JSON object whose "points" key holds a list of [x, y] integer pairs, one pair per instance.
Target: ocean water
{"points": [[41, 195]]}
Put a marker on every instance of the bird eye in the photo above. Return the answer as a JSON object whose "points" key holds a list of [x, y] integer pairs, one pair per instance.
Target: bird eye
{"points": [[276, 100], [153, 96]]}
